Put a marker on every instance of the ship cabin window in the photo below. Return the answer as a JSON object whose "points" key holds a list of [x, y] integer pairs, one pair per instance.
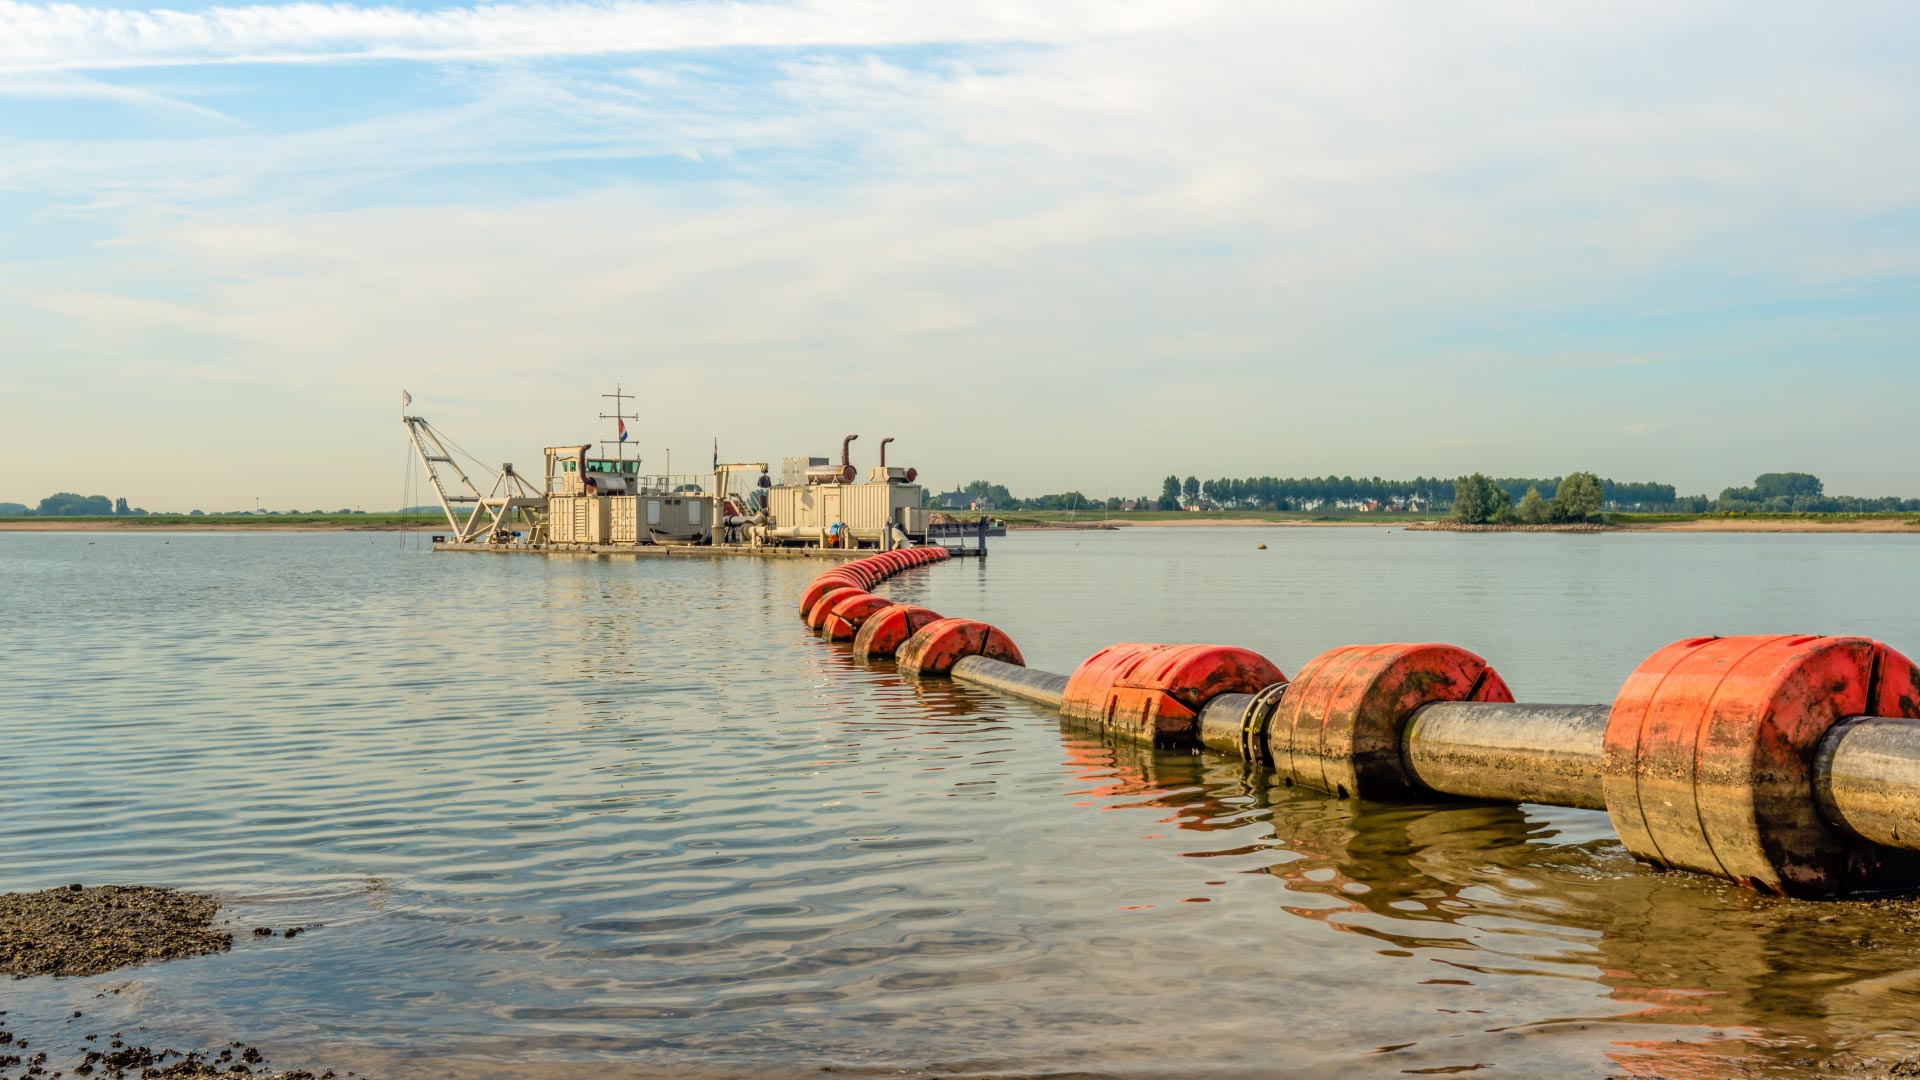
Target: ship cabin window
{"points": [[615, 468], [567, 466]]}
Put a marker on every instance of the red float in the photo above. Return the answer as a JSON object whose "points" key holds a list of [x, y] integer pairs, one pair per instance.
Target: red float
{"points": [[1085, 698], [848, 615], [815, 590], [822, 607], [1338, 726], [1154, 693], [934, 648], [885, 631], [1709, 755]]}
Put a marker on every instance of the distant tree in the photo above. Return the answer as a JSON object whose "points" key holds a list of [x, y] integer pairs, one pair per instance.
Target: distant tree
{"points": [[67, 504], [1579, 497], [1790, 485], [1113, 502], [1532, 509], [10, 509], [1169, 493], [120, 506], [196, 513], [1788, 493], [1499, 505], [1477, 500], [997, 493], [1190, 487]]}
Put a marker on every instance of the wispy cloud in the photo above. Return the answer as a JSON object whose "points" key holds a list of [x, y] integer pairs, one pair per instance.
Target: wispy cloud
{"points": [[39, 37], [65, 85], [1169, 216]]}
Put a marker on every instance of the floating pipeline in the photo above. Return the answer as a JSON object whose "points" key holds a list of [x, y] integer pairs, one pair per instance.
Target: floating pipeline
{"points": [[1785, 763]]}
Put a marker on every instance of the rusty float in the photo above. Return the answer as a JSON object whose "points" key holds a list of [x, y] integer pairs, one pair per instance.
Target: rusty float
{"points": [[1338, 726], [889, 628], [817, 614], [1154, 693], [864, 574], [847, 616], [1711, 760], [1786, 763], [935, 647]]}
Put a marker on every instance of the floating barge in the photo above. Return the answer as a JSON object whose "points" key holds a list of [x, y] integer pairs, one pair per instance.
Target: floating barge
{"points": [[604, 504]]}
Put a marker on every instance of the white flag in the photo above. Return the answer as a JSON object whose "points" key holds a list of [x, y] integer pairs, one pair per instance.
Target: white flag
{"points": [[406, 399]]}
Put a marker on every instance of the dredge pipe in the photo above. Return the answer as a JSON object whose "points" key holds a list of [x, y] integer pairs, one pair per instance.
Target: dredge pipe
{"points": [[1866, 779], [1866, 769], [1039, 687], [1223, 727], [1549, 754]]}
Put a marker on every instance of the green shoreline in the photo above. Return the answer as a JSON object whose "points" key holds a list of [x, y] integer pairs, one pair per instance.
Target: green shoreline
{"points": [[1732, 522], [1040, 520]]}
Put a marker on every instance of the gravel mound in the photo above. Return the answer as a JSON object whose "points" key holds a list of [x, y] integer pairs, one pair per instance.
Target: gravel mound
{"points": [[75, 930]]}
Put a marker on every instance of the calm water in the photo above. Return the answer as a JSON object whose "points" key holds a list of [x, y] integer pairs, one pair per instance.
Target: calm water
{"points": [[546, 814]]}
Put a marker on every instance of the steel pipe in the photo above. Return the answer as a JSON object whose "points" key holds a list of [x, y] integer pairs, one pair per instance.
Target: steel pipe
{"points": [[1039, 687], [1866, 769], [1866, 779], [1222, 722], [1548, 754]]}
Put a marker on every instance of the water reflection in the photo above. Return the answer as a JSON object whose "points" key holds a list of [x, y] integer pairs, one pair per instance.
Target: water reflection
{"points": [[1702, 980], [551, 816]]}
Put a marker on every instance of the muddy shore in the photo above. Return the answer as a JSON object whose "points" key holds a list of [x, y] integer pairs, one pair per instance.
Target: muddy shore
{"points": [[75, 930]]}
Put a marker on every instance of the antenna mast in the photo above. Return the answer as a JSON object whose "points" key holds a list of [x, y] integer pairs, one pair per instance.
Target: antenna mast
{"points": [[619, 416]]}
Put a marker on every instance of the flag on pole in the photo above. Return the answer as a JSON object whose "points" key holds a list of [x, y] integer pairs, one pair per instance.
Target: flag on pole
{"points": [[623, 430], [716, 453], [406, 399]]}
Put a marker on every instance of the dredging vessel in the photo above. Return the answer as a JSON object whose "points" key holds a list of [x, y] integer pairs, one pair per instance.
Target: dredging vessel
{"points": [[604, 503]]}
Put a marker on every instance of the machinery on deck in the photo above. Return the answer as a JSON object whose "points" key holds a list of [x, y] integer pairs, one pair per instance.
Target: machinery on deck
{"points": [[605, 501]]}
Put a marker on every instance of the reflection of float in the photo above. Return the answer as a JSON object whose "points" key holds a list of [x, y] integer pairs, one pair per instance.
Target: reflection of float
{"points": [[1786, 764], [1720, 974], [1798, 790]]}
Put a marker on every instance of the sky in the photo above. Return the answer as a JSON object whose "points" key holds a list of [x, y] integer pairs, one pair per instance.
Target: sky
{"points": [[1077, 244]]}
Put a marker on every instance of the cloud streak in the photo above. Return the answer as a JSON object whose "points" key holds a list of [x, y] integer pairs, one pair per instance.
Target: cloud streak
{"points": [[59, 37], [1285, 237]]}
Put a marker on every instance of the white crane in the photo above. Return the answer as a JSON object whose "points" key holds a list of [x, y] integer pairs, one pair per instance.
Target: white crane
{"points": [[490, 517]]}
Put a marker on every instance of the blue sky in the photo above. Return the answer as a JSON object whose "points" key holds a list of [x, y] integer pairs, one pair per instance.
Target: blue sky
{"points": [[1057, 245]]}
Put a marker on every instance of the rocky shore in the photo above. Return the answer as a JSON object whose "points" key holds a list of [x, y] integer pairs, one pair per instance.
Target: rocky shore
{"points": [[77, 930]]}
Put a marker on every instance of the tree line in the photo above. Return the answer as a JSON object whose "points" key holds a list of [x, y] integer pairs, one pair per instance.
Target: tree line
{"points": [[68, 504], [1487, 498], [1803, 493], [1480, 500]]}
